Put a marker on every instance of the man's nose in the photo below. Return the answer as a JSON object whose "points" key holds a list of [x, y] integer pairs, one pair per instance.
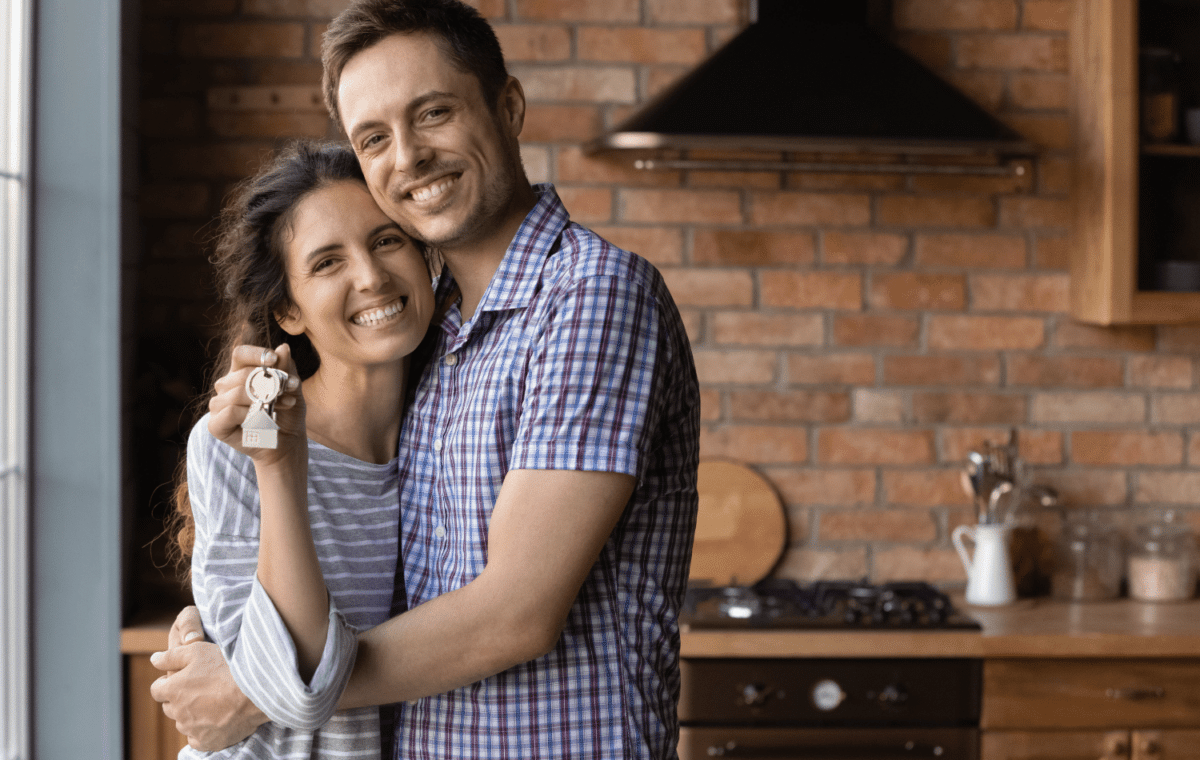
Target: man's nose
{"points": [[412, 152]]}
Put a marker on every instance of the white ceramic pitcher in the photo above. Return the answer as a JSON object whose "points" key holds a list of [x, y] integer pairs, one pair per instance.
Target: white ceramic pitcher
{"points": [[990, 579]]}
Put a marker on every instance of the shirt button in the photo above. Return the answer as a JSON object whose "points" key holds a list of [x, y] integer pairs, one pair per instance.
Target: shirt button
{"points": [[437, 445], [440, 532], [451, 360]]}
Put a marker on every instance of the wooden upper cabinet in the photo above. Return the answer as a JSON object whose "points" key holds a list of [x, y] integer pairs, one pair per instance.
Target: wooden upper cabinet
{"points": [[1112, 281]]}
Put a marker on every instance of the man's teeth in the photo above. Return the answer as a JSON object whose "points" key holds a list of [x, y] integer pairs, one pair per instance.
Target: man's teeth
{"points": [[432, 191], [376, 316]]}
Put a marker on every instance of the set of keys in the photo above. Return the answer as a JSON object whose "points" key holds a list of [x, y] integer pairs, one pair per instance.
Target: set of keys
{"points": [[263, 386]]}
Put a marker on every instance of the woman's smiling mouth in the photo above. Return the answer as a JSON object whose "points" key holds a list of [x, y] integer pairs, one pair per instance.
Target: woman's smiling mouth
{"points": [[379, 315]]}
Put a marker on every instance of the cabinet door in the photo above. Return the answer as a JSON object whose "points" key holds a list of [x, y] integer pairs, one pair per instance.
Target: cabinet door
{"points": [[151, 735], [1054, 745], [1165, 745]]}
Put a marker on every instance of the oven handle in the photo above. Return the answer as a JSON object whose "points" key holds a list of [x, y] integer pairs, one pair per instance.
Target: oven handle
{"points": [[908, 751]]}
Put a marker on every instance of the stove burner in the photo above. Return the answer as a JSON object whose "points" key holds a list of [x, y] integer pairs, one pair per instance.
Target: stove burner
{"points": [[781, 603]]}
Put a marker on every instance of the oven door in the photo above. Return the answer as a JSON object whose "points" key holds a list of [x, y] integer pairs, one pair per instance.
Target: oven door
{"points": [[829, 743]]}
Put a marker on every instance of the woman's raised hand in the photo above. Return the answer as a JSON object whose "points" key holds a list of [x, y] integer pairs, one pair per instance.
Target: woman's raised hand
{"points": [[230, 405]]}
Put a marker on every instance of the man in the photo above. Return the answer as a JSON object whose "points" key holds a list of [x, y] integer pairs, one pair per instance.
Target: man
{"points": [[548, 458]]}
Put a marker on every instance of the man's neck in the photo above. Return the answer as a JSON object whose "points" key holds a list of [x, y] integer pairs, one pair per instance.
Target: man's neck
{"points": [[474, 264]]}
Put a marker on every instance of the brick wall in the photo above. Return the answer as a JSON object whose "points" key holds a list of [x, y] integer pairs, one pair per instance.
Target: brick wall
{"points": [[854, 335]]}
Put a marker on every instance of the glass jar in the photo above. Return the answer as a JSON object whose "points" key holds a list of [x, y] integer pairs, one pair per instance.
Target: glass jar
{"points": [[1162, 563], [1088, 561], [1159, 85]]}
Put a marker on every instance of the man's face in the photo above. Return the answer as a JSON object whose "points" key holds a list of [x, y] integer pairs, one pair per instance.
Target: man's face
{"points": [[438, 159]]}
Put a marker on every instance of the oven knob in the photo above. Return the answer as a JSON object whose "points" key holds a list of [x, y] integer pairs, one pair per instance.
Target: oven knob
{"points": [[755, 694], [827, 695], [892, 695]]}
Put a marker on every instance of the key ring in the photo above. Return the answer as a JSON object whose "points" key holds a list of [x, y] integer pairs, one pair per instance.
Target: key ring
{"points": [[264, 385]]}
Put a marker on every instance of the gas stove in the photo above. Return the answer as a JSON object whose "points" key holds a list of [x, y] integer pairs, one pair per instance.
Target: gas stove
{"points": [[779, 603]]}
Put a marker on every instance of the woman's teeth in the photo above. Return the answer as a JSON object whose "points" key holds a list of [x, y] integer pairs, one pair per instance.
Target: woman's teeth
{"points": [[375, 316], [432, 191]]}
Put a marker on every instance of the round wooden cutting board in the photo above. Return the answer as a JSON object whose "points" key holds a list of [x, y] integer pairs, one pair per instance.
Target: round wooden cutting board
{"points": [[741, 527]]}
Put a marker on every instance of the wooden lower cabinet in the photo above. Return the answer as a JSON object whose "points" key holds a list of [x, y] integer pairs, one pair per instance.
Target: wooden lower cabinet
{"points": [[1090, 709], [152, 736]]}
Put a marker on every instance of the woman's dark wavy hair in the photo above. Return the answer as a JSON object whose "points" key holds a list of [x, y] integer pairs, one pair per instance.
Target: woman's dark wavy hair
{"points": [[251, 275]]}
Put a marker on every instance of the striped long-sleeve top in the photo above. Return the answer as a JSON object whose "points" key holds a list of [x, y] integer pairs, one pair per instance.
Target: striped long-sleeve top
{"points": [[354, 512]]}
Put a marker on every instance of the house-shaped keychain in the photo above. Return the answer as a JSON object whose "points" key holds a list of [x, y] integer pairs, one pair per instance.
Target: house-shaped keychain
{"points": [[259, 430]]}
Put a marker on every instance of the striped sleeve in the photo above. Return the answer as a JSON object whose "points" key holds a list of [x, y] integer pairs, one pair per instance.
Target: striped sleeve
{"points": [[238, 614]]}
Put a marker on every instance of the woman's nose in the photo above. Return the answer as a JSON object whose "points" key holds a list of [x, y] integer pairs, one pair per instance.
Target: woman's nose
{"points": [[369, 274]]}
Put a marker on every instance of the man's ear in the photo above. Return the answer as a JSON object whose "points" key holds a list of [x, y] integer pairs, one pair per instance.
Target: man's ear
{"points": [[511, 107], [290, 320]]}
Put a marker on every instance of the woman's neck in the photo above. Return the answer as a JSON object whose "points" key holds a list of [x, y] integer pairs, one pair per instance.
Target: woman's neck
{"points": [[356, 410]]}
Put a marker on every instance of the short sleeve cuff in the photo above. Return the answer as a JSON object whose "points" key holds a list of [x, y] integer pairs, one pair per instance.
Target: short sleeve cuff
{"points": [[591, 456], [264, 665]]}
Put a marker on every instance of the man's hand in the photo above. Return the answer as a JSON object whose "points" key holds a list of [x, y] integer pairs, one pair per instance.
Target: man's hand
{"points": [[198, 691]]}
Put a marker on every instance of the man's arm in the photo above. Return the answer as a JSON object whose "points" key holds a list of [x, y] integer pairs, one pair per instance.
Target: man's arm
{"points": [[546, 532]]}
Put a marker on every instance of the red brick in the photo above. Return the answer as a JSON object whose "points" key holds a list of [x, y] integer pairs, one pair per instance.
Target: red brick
{"points": [[710, 405], [1035, 446], [975, 251], [792, 406], [1039, 91], [534, 42], [956, 15], [182, 8], [1044, 213], [932, 49], [174, 200], [968, 408], [492, 9], [275, 99], [641, 44], [876, 525], [826, 368], [1041, 446], [558, 123], [1053, 253], [246, 40], [278, 72], [574, 166], [1012, 51], [936, 211], [536, 160], [751, 247], [842, 181], [1065, 371], [972, 333], [268, 124], [1092, 406], [228, 160], [1049, 131], [1175, 409], [833, 487], [739, 180], [941, 370], [753, 329], [756, 444], [1168, 488], [683, 206], [974, 184], [873, 330], [1070, 334], [786, 207], [1046, 15], [735, 366], [693, 324], [1054, 176], [169, 117], [958, 441], [661, 246], [1160, 371], [587, 204], [661, 77], [862, 248], [710, 287], [626, 11], [593, 84], [1179, 338], [318, 8], [924, 488], [812, 290], [878, 406], [1044, 292], [806, 565], [1091, 487], [691, 12], [903, 563], [176, 241], [1125, 448], [908, 290], [875, 446]]}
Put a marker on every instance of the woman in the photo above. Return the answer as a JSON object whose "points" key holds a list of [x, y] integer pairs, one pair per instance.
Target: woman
{"points": [[294, 547]]}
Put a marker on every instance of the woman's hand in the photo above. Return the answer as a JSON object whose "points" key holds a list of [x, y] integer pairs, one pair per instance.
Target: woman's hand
{"points": [[231, 404]]}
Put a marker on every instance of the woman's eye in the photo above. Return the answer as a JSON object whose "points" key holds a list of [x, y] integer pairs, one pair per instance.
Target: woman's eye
{"points": [[322, 264]]}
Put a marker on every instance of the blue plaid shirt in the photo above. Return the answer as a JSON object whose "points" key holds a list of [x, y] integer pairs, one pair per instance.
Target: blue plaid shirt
{"points": [[575, 359]]}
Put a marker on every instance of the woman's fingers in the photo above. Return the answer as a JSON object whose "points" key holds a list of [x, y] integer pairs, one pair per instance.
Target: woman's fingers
{"points": [[252, 356]]}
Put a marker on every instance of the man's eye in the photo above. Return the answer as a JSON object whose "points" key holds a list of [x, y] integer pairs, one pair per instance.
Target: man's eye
{"points": [[372, 140], [389, 241]]}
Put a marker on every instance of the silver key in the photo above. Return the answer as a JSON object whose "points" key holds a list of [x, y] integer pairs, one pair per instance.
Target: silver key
{"points": [[263, 386]]}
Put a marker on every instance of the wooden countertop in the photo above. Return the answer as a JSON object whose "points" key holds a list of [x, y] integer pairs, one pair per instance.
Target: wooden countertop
{"points": [[1029, 628]]}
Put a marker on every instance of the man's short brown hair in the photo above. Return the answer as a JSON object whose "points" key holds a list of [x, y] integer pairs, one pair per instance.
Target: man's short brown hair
{"points": [[461, 32]]}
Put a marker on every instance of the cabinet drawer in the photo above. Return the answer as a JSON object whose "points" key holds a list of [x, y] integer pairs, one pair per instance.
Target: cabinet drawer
{"points": [[1091, 694]]}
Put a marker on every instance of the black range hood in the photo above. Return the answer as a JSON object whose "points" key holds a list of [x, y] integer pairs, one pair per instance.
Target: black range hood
{"points": [[814, 77]]}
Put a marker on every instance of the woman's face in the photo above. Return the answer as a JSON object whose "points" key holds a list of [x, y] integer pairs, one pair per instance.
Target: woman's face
{"points": [[360, 289]]}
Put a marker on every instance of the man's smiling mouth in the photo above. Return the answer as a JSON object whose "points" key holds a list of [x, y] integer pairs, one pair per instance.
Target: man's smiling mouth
{"points": [[433, 190], [379, 315]]}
